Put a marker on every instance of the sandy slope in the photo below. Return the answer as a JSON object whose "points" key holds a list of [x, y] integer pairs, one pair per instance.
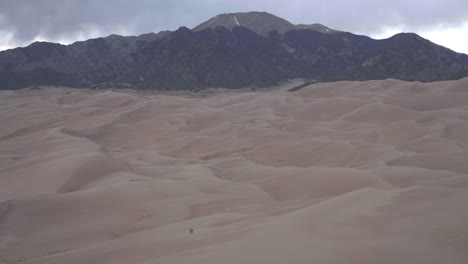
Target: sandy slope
{"points": [[347, 172]]}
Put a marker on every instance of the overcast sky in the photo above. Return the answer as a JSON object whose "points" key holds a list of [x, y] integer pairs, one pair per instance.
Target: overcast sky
{"points": [[444, 22]]}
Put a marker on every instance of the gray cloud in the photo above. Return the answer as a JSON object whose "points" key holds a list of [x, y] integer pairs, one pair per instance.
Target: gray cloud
{"points": [[56, 20]]}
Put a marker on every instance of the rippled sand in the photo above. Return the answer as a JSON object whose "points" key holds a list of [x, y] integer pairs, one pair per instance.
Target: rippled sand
{"points": [[346, 172]]}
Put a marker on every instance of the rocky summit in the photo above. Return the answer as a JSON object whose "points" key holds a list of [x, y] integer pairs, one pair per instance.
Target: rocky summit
{"points": [[254, 49]]}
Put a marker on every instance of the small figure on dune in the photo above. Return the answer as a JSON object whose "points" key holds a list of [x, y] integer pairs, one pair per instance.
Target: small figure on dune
{"points": [[191, 231]]}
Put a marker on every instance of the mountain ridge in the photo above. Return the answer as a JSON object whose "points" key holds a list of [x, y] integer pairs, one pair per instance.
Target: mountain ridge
{"points": [[231, 57]]}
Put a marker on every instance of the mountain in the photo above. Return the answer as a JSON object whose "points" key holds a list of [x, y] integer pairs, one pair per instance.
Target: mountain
{"points": [[80, 64], [259, 22], [232, 51]]}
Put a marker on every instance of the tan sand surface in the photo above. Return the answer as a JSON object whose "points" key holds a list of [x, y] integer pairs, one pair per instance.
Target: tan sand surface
{"points": [[345, 172]]}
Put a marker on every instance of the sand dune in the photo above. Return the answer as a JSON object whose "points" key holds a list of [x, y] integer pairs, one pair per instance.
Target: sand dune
{"points": [[345, 172]]}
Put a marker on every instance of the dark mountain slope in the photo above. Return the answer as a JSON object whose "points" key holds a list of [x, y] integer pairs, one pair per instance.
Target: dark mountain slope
{"points": [[189, 60], [407, 56], [82, 63]]}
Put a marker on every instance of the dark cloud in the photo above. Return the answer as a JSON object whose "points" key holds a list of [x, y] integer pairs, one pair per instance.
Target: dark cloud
{"points": [[24, 20]]}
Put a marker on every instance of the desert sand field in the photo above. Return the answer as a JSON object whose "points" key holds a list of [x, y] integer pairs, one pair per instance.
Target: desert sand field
{"points": [[335, 173]]}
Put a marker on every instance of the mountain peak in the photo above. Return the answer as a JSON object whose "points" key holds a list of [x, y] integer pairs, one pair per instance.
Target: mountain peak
{"points": [[182, 31], [259, 22]]}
